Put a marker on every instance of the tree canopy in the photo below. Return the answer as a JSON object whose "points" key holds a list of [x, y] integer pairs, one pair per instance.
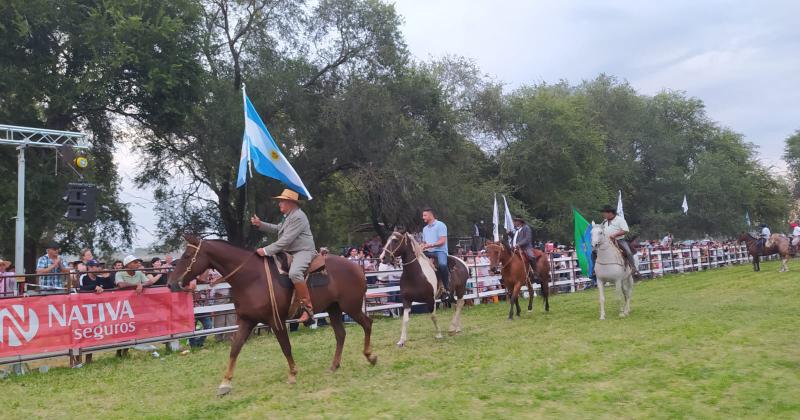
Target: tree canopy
{"points": [[375, 134]]}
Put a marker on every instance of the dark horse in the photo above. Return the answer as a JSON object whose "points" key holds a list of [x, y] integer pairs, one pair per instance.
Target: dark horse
{"points": [[516, 272], [258, 295], [419, 283], [779, 245]]}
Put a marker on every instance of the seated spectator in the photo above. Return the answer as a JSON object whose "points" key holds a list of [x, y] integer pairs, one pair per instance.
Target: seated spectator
{"points": [[158, 276], [8, 281], [131, 277], [352, 254], [55, 267], [92, 281]]}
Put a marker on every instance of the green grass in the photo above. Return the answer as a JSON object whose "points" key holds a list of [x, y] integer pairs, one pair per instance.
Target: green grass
{"points": [[715, 344]]}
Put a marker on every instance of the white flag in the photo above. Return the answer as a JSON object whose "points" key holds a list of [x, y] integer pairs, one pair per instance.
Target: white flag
{"points": [[685, 205], [620, 213], [508, 222], [495, 221]]}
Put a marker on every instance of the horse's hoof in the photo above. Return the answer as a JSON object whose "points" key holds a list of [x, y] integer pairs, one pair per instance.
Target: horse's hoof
{"points": [[332, 369], [602, 317], [372, 359], [224, 390], [439, 336], [454, 332], [401, 344], [292, 380]]}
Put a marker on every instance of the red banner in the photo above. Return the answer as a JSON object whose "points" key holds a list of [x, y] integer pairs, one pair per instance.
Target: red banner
{"points": [[40, 324]]}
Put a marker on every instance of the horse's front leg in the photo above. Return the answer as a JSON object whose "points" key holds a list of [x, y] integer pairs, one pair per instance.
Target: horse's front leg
{"points": [[404, 328], [432, 304], [602, 298], [245, 328], [283, 339]]}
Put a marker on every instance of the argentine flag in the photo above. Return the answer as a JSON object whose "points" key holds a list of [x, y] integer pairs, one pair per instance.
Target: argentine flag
{"points": [[260, 148]]}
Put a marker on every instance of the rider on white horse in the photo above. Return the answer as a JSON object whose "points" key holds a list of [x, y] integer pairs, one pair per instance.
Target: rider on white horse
{"points": [[616, 228]]}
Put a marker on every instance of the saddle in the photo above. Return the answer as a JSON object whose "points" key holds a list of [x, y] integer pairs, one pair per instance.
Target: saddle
{"points": [[283, 261]]}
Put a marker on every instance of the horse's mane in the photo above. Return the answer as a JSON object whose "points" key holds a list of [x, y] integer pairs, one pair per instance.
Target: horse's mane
{"points": [[416, 247]]}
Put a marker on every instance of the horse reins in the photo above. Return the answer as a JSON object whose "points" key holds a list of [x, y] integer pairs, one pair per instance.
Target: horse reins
{"points": [[193, 260], [271, 290], [402, 241]]}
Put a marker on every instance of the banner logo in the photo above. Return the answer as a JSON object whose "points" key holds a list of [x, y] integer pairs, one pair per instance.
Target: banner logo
{"points": [[13, 323]]}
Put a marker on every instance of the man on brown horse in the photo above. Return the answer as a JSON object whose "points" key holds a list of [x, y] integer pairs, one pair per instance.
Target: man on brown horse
{"points": [[616, 228], [295, 239], [523, 240]]}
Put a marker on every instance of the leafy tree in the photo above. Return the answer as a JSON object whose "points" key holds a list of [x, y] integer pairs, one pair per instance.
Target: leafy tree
{"points": [[791, 155], [79, 65]]}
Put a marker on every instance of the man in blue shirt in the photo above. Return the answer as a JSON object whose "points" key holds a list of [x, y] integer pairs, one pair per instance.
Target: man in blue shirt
{"points": [[434, 237]]}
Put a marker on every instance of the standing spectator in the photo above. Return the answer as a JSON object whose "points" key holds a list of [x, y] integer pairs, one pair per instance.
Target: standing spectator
{"points": [[85, 256], [158, 277], [8, 281], [204, 319], [324, 251], [168, 260], [374, 246], [666, 242], [92, 281], [54, 266], [131, 277], [549, 247]]}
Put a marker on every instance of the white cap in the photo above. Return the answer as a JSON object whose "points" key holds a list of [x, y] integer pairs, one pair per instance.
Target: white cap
{"points": [[129, 259]]}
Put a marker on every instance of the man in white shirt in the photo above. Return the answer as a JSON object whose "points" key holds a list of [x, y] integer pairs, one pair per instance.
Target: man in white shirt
{"points": [[667, 241], [616, 228], [765, 234]]}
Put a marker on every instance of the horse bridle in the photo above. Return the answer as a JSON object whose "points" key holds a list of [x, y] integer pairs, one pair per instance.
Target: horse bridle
{"points": [[191, 263], [194, 259], [402, 241], [502, 266]]}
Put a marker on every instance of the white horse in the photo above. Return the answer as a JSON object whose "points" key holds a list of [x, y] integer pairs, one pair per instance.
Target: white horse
{"points": [[610, 266]]}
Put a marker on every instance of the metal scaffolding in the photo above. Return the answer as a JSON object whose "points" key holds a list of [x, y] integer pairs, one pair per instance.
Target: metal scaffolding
{"points": [[22, 138]]}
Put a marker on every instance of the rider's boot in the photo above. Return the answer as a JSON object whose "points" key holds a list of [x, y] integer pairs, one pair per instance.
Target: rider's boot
{"points": [[305, 302]]}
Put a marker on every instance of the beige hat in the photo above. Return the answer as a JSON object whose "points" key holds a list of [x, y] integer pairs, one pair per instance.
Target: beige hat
{"points": [[129, 259], [288, 194]]}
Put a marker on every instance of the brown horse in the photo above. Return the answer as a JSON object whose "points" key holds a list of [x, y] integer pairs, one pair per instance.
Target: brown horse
{"points": [[516, 272], [779, 245], [261, 295], [418, 282]]}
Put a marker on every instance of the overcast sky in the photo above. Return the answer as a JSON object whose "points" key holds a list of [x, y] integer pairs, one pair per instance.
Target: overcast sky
{"points": [[742, 58]]}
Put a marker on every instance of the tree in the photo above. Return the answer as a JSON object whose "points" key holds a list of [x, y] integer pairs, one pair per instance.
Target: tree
{"points": [[80, 65], [791, 154]]}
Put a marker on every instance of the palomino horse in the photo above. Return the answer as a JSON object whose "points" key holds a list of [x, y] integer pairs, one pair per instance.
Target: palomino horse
{"points": [[611, 266], [516, 272], [778, 244], [418, 283], [259, 295]]}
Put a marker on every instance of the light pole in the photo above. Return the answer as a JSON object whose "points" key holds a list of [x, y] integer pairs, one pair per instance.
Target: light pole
{"points": [[22, 138]]}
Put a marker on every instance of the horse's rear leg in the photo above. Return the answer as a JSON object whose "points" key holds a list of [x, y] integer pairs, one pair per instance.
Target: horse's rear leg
{"points": [[455, 324], [545, 283], [335, 313], [529, 284], [245, 328], [366, 324], [283, 339]]}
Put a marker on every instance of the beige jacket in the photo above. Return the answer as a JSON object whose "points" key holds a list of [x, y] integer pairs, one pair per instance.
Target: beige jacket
{"points": [[294, 234]]}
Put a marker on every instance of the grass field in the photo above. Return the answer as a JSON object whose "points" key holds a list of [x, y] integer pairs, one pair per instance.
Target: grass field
{"points": [[721, 343]]}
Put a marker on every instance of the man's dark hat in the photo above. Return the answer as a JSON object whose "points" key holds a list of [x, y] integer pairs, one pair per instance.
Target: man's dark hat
{"points": [[518, 219], [53, 245], [608, 209]]}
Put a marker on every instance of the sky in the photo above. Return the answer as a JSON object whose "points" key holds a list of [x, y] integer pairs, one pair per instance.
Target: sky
{"points": [[742, 58]]}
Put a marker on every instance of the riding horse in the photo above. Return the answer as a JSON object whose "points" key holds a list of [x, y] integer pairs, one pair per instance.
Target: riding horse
{"points": [[516, 272], [611, 266], [418, 282], [779, 244], [260, 294]]}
